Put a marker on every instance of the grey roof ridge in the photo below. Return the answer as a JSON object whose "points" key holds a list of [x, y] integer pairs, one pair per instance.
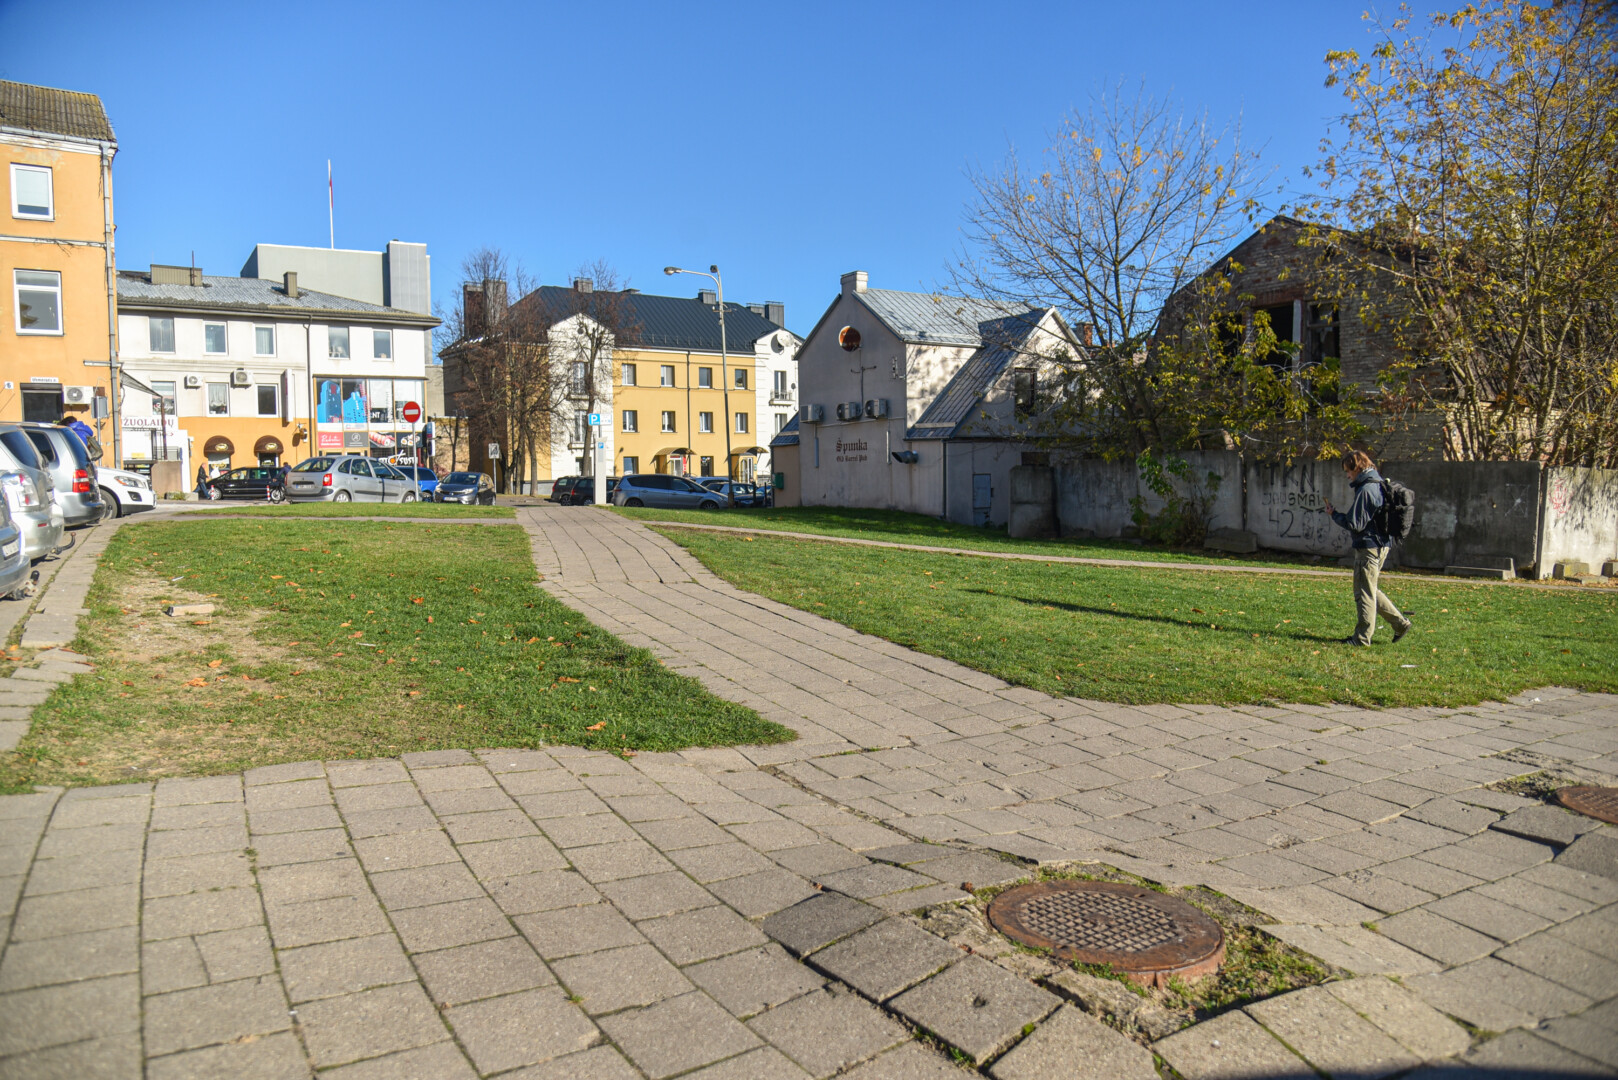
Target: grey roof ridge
{"points": [[352, 307]]}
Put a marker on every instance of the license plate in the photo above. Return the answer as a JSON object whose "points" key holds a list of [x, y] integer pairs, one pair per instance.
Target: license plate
{"points": [[10, 549]]}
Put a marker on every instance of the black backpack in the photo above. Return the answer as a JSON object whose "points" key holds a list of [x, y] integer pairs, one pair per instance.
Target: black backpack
{"points": [[1398, 513]]}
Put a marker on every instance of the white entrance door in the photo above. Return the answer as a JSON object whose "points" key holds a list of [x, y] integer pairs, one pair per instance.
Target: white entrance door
{"points": [[982, 497]]}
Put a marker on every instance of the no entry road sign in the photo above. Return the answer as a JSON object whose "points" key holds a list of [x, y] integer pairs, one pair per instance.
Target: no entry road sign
{"points": [[411, 412]]}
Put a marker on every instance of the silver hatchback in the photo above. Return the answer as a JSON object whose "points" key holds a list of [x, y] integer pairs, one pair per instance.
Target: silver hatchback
{"points": [[349, 478], [62, 454], [29, 494]]}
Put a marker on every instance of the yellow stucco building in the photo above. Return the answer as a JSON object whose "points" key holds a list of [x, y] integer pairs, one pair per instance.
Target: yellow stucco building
{"points": [[57, 293]]}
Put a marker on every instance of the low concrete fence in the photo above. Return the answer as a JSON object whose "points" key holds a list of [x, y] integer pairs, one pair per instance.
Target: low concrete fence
{"points": [[1471, 513]]}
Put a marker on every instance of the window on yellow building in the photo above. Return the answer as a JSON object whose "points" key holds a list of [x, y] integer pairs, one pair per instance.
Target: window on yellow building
{"points": [[631, 419], [668, 420], [631, 464], [707, 466], [705, 422], [705, 377], [31, 192], [628, 374], [668, 375], [741, 423], [741, 378], [39, 301]]}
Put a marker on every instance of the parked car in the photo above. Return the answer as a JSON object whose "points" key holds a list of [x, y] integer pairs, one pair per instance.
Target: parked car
{"points": [[749, 495], [562, 489], [663, 491], [123, 493], [17, 576], [348, 478], [62, 454], [426, 479], [30, 495], [467, 488], [583, 491], [251, 482]]}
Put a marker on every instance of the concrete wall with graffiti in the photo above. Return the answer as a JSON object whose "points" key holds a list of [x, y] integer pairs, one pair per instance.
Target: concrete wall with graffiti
{"points": [[1579, 521]]}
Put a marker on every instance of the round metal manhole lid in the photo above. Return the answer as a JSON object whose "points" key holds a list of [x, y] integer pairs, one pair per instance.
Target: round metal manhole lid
{"points": [[1600, 803], [1138, 932]]}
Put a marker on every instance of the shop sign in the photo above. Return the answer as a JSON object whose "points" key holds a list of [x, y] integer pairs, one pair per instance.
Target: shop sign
{"points": [[150, 423], [329, 440]]}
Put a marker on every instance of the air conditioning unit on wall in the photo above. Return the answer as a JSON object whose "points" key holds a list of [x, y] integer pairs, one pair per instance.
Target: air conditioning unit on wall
{"points": [[239, 377], [877, 408], [193, 382], [812, 414], [77, 395], [849, 410]]}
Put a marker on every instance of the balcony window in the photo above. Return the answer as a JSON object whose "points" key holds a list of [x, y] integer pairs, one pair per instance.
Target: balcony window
{"points": [[668, 420], [39, 301], [160, 334], [337, 342], [382, 344], [780, 384], [631, 420], [263, 341], [31, 192], [214, 341]]}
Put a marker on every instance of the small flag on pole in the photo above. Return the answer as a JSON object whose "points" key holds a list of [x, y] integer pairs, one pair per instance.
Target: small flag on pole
{"points": [[331, 205]]}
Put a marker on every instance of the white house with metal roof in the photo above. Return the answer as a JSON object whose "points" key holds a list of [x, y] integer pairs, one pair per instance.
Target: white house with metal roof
{"points": [[918, 402]]}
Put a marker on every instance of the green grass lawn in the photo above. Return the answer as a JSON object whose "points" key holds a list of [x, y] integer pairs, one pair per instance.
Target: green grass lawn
{"points": [[1141, 635], [366, 509], [345, 639], [896, 527]]}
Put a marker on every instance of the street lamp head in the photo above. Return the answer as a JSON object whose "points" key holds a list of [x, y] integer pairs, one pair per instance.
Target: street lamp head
{"points": [[713, 269], [672, 270]]}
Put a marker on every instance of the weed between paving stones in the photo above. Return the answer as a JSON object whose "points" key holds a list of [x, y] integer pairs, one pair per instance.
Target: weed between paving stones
{"points": [[344, 639], [1256, 965], [1147, 636]]}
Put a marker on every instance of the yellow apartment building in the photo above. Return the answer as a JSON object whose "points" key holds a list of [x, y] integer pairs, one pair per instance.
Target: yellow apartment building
{"points": [[58, 323]]}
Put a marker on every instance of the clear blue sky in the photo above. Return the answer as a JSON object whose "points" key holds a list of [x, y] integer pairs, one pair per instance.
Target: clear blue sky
{"points": [[787, 143]]}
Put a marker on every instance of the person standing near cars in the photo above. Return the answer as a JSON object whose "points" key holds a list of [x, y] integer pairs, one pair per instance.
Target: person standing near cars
{"points": [[1364, 520]]}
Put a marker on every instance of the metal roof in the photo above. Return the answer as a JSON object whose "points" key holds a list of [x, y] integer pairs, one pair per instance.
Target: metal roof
{"points": [[46, 111], [666, 322], [788, 435], [934, 318], [1007, 339], [259, 295]]}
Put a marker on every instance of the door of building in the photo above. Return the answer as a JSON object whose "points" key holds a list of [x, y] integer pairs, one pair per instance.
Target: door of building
{"points": [[982, 497]]}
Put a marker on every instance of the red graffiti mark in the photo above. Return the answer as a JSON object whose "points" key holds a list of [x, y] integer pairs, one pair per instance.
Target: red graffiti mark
{"points": [[1559, 497]]}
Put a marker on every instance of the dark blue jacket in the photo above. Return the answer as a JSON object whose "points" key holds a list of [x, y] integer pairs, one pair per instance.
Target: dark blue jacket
{"points": [[1361, 516]]}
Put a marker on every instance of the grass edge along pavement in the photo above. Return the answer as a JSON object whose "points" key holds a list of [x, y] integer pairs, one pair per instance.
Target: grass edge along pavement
{"points": [[1147, 636], [419, 511], [316, 651]]}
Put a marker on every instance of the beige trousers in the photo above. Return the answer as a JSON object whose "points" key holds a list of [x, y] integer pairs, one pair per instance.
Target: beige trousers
{"points": [[1369, 601]]}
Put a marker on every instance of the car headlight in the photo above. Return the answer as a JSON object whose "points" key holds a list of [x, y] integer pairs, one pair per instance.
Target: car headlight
{"points": [[130, 481]]}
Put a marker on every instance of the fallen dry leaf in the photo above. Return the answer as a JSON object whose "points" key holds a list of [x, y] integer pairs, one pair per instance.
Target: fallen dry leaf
{"points": [[196, 682], [566, 678], [412, 693], [596, 727], [418, 599], [215, 663]]}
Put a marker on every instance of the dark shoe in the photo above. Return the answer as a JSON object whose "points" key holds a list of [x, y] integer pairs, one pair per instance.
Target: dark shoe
{"points": [[1402, 631], [1350, 641]]}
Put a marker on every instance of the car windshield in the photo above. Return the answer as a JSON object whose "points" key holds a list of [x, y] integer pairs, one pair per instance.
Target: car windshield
{"points": [[461, 478], [314, 464], [21, 448]]}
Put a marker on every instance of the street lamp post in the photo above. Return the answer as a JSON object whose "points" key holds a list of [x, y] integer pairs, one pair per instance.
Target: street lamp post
{"points": [[724, 372]]}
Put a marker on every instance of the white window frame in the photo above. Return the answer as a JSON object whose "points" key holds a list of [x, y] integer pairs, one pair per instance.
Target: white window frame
{"points": [[741, 378], [212, 352], [381, 335], [631, 420], [741, 423], [207, 398], [668, 421], [348, 342], [273, 336], [258, 400], [171, 396], [150, 321], [780, 384], [626, 373], [50, 189], [17, 288], [704, 423], [666, 375], [780, 422]]}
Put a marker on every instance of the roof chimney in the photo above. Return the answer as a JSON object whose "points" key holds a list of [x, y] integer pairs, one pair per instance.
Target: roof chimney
{"points": [[776, 312], [290, 284], [583, 284], [708, 296], [854, 281]]}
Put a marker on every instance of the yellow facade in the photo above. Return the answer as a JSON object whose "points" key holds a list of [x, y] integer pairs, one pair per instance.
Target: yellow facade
{"points": [[71, 244], [649, 447]]}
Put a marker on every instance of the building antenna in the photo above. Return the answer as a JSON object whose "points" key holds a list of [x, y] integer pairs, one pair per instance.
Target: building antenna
{"points": [[331, 206]]}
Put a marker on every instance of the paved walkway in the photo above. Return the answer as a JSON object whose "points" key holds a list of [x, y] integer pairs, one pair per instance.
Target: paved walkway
{"points": [[744, 913]]}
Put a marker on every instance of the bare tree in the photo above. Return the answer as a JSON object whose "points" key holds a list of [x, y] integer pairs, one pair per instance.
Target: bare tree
{"points": [[1129, 204], [587, 322], [499, 369]]}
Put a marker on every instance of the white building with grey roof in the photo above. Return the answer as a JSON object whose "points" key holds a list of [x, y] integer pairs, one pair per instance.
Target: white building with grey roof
{"points": [[918, 402], [250, 371]]}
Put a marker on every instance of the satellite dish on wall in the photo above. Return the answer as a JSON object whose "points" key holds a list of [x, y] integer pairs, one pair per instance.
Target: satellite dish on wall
{"points": [[848, 338]]}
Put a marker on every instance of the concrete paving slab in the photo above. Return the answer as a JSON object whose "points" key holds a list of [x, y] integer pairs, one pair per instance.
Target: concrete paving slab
{"points": [[818, 921], [1067, 1038], [1331, 1036], [976, 1007], [887, 958], [1231, 1046], [824, 1032]]}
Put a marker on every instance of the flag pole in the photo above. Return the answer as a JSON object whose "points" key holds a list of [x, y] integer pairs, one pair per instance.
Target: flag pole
{"points": [[331, 206]]}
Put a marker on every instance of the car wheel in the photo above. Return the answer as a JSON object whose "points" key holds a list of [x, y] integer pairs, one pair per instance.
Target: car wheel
{"points": [[342, 496], [633, 502], [109, 505], [707, 504], [565, 500], [408, 497]]}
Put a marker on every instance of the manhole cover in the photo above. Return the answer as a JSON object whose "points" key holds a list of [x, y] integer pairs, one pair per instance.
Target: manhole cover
{"points": [[1143, 934], [1600, 803]]}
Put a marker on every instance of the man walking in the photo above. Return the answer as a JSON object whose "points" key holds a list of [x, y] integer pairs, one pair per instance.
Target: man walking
{"points": [[1365, 520]]}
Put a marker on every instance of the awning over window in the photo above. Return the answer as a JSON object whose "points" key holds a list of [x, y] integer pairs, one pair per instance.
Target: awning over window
{"points": [[748, 451], [675, 451], [268, 444], [219, 444]]}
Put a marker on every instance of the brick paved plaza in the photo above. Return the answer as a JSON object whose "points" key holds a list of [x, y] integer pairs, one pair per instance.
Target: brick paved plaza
{"points": [[749, 913]]}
